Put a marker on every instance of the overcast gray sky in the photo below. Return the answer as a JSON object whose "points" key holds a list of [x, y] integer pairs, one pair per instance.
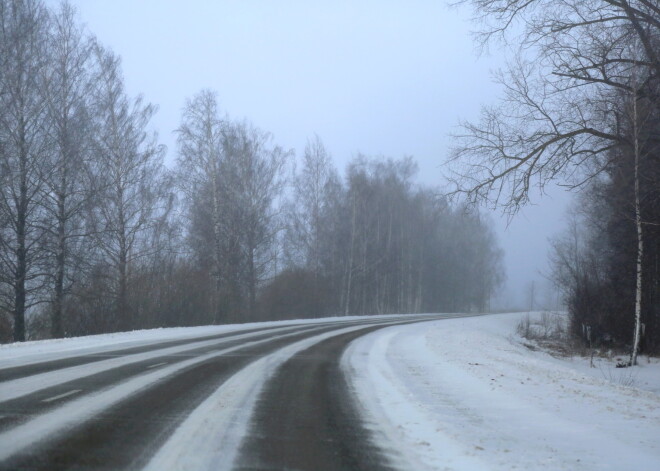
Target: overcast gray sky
{"points": [[381, 77]]}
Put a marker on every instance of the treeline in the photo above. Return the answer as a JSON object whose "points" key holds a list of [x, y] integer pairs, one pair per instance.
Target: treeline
{"points": [[608, 262], [377, 243], [98, 235], [603, 263], [580, 106]]}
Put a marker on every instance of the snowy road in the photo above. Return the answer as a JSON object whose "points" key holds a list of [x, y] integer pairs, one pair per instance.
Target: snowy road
{"points": [[380, 393], [194, 401]]}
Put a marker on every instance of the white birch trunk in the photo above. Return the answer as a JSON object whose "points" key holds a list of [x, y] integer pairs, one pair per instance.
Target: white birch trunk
{"points": [[640, 240], [349, 274]]}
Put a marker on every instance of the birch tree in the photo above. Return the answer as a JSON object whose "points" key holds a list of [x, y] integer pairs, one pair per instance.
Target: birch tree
{"points": [[639, 108], [23, 162], [202, 145], [638, 227], [67, 87], [254, 177], [132, 199], [311, 187]]}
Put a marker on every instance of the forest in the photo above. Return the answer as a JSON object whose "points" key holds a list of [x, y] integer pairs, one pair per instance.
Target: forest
{"points": [[580, 108], [101, 231]]}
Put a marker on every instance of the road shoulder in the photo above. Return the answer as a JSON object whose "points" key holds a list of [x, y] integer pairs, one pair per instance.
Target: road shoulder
{"points": [[463, 394]]}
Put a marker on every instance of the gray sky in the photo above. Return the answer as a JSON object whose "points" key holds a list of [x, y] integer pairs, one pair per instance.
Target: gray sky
{"points": [[381, 77]]}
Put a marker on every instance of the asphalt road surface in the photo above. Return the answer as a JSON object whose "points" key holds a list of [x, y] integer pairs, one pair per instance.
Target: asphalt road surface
{"points": [[129, 408]]}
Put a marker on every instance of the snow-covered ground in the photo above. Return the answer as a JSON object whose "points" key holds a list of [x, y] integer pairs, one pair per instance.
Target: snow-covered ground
{"points": [[461, 394], [466, 394]]}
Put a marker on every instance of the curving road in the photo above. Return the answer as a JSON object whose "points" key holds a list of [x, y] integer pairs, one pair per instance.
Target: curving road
{"points": [[266, 398]]}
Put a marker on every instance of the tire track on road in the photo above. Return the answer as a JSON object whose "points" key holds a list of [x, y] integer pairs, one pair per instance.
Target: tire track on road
{"points": [[117, 423], [32, 368], [319, 430], [210, 438], [21, 409]]}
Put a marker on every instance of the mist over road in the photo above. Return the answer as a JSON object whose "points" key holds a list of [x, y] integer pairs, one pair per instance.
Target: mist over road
{"points": [[269, 397]]}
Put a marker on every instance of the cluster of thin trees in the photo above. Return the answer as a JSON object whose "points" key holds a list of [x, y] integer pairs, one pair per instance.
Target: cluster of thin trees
{"points": [[581, 106], [82, 185], [98, 235], [378, 243], [276, 244]]}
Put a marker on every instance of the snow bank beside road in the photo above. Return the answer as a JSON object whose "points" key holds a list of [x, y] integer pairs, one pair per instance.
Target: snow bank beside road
{"points": [[20, 353], [463, 394], [23, 353]]}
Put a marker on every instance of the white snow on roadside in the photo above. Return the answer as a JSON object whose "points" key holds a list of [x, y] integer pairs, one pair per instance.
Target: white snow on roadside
{"points": [[465, 394]]}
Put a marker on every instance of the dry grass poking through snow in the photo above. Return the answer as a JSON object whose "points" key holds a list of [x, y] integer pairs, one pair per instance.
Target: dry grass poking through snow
{"points": [[548, 332]]}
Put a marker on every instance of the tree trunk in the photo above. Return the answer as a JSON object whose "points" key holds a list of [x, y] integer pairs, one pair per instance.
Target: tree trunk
{"points": [[19, 287], [640, 240], [122, 302], [217, 255], [252, 279], [57, 328], [349, 273], [21, 250], [124, 317]]}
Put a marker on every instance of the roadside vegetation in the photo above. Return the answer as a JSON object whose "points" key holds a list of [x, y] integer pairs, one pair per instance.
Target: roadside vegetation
{"points": [[580, 108], [99, 232]]}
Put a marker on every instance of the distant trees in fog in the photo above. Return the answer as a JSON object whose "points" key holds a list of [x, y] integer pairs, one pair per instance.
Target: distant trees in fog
{"points": [[378, 243], [98, 235], [233, 177], [372, 244], [581, 105]]}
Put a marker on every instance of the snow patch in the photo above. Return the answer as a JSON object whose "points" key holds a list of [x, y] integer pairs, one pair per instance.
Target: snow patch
{"points": [[464, 394]]}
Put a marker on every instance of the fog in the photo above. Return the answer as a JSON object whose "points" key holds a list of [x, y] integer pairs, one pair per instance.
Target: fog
{"points": [[374, 77]]}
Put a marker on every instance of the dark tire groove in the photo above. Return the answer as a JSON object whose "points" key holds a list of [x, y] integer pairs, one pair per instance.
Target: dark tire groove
{"points": [[126, 435], [16, 372], [21, 409], [305, 419]]}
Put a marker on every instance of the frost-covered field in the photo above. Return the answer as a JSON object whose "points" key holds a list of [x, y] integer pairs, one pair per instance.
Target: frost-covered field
{"points": [[466, 394]]}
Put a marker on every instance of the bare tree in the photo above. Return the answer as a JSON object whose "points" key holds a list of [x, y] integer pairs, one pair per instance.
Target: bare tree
{"points": [[202, 147], [638, 227], [253, 179], [639, 109], [312, 191], [562, 116], [133, 200], [23, 145], [559, 110], [66, 90]]}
